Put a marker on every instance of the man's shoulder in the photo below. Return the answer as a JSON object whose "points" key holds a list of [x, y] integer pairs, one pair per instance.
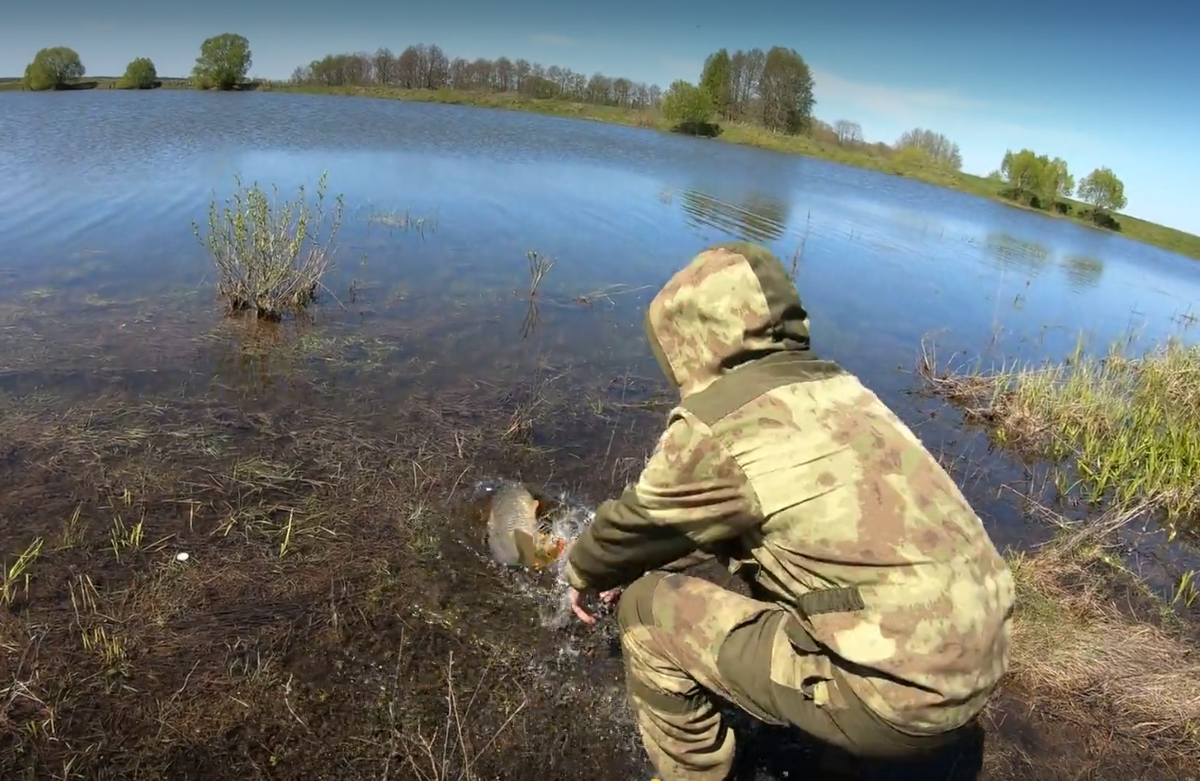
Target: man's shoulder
{"points": [[741, 388]]}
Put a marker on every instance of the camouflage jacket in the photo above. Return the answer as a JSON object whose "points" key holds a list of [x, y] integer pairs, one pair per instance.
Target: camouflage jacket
{"points": [[802, 480]]}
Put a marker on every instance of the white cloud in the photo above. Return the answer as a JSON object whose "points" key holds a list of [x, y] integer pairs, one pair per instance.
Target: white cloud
{"points": [[895, 102], [551, 39], [889, 109]]}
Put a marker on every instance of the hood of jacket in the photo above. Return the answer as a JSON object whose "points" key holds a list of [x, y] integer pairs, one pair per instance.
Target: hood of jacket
{"points": [[733, 303]]}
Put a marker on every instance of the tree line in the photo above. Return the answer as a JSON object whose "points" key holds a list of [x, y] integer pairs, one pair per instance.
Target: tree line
{"points": [[223, 63], [1045, 183], [771, 89], [427, 67]]}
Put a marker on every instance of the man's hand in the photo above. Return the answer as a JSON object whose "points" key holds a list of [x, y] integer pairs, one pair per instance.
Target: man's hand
{"points": [[608, 597]]}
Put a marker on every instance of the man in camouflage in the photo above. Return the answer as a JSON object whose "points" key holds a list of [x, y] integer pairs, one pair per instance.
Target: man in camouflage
{"points": [[880, 616]]}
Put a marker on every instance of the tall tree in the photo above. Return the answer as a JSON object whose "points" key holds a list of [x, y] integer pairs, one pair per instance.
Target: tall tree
{"points": [[848, 133], [717, 78], [1055, 182], [940, 149], [139, 74], [53, 68], [746, 69], [385, 66], [1022, 171], [786, 91], [224, 61], [1103, 190]]}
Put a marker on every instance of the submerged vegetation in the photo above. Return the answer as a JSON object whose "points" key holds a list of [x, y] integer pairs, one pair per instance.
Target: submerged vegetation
{"points": [[1125, 429], [270, 256]]}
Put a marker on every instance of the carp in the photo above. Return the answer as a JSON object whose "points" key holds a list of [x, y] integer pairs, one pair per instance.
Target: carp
{"points": [[517, 537]]}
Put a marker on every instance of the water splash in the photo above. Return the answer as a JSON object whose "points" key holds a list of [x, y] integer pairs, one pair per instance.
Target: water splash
{"points": [[569, 519], [567, 523]]}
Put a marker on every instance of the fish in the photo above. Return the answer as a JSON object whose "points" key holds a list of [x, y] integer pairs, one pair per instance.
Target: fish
{"points": [[516, 536]]}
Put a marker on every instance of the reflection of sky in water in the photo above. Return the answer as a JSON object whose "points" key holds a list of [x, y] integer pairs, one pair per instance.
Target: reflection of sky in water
{"points": [[885, 260]]}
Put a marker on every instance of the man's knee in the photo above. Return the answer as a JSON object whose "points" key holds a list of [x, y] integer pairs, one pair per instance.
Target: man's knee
{"points": [[636, 607]]}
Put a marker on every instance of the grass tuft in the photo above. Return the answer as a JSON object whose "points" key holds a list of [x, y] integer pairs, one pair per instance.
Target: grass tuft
{"points": [[539, 267], [1076, 648], [270, 256], [1120, 428], [14, 578]]}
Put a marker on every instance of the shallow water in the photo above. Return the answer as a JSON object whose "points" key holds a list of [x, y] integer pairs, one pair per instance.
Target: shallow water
{"points": [[106, 289]]}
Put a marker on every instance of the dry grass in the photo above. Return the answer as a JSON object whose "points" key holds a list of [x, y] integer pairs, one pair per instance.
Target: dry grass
{"points": [[539, 267], [1125, 428], [1102, 658]]}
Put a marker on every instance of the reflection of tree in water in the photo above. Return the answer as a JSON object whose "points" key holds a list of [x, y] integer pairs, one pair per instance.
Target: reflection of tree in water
{"points": [[1009, 252], [756, 217], [1083, 271]]}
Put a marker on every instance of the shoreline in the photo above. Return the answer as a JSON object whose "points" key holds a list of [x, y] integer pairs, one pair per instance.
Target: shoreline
{"points": [[1134, 229]]}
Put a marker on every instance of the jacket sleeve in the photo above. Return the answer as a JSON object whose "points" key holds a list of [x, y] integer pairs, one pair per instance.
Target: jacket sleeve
{"points": [[691, 495]]}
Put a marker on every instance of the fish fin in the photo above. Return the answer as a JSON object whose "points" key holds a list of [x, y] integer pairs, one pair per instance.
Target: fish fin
{"points": [[526, 547]]}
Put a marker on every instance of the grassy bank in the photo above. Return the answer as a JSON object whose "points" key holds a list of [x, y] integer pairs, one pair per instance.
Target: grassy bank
{"points": [[1122, 428], [749, 135], [1104, 676]]}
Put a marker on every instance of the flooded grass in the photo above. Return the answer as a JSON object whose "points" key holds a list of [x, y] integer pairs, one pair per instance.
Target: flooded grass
{"points": [[286, 577], [333, 614], [270, 256], [1123, 427], [404, 221]]}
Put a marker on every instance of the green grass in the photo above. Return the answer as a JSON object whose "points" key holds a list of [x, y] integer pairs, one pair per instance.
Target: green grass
{"points": [[1124, 428], [270, 255]]}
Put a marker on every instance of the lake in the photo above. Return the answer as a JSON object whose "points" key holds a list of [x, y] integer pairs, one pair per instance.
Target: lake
{"points": [[296, 463], [102, 268]]}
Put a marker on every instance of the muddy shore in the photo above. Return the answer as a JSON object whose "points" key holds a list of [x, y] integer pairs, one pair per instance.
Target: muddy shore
{"points": [[336, 616]]}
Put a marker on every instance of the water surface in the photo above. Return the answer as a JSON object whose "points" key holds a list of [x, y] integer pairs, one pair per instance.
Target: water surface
{"points": [[105, 285]]}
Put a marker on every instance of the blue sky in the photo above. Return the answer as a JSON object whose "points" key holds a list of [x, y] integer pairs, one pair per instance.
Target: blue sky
{"points": [[1082, 81]]}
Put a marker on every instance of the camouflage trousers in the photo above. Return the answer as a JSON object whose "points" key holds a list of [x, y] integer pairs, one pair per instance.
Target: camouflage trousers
{"points": [[683, 638]]}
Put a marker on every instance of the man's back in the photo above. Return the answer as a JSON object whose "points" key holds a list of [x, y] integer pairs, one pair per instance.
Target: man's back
{"points": [[850, 499], [818, 494]]}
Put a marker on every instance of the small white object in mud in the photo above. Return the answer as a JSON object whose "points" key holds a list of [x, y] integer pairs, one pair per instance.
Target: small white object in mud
{"points": [[181, 556]]}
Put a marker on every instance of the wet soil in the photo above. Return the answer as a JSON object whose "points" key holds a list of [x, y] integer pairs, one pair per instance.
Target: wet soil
{"points": [[336, 616]]}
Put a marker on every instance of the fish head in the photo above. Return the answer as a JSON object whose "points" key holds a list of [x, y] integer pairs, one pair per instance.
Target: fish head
{"points": [[549, 549]]}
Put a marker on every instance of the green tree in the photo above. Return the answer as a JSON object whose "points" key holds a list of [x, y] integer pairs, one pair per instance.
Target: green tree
{"points": [[1022, 171], [52, 68], [1054, 182], [941, 150], [687, 106], [717, 79], [1103, 190], [139, 74], [223, 62], [786, 91]]}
